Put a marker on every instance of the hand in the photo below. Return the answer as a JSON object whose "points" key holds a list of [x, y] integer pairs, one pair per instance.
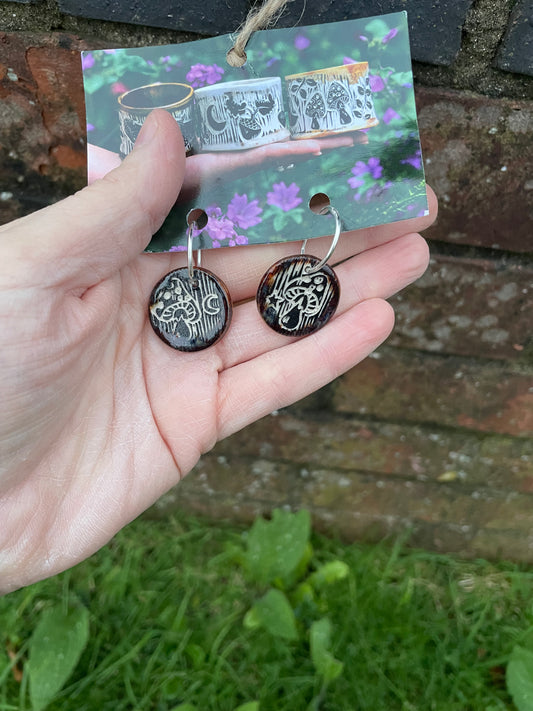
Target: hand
{"points": [[99, 417], [205, 166]]}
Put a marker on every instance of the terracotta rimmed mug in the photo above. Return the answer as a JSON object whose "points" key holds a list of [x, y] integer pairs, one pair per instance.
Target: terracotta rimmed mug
{"points": [[242, 114], [329, 101], [135, 105]]}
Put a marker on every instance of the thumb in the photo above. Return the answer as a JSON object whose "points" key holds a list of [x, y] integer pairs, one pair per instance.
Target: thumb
{"points": [[92, 234]]}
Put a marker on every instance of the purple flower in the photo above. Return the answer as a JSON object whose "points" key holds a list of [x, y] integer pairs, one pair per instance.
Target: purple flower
{"points": [[375, 192], [286, 198], [301, 42], [87, 60], [90, 127], [110, 51], [203, 74], [390, 34], [413, 160], [348, 60], [239, 239], [363, 38], [220, 228], [355, 183], [373, 167], [178, 248], [376, 82], [243, 213], [213, 211], [272, 61], [390, 115], [360, 168]]}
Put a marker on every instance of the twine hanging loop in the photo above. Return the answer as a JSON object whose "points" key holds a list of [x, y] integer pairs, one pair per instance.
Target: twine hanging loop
{"points": [[258, 19]]}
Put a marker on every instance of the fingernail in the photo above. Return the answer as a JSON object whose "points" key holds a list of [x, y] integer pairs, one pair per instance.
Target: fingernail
{"points": [[148, 132]]}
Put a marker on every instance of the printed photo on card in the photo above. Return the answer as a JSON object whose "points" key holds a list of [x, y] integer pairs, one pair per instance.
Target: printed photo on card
{"points": [[318, 109]]}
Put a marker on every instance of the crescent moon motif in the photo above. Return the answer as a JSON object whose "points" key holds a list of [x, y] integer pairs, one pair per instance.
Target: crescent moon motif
{"points": [[211, 304], [217, 126]]}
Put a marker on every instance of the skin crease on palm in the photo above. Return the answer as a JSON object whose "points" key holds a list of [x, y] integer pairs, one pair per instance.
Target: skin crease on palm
{"points": [[99, 417]]}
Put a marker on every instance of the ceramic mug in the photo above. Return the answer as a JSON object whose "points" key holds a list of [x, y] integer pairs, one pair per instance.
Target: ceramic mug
{"points": [[135, 105], [330, 101], [242, 114]]}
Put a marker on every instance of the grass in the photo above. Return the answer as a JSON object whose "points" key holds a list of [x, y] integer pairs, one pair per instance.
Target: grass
{"points": [[167, 599]]}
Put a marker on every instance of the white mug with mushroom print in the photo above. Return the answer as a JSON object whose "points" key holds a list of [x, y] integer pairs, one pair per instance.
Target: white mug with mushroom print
{"points": [[330, 101]]}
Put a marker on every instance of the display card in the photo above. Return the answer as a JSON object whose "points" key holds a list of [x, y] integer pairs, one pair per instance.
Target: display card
{"points": [[319, 109]]}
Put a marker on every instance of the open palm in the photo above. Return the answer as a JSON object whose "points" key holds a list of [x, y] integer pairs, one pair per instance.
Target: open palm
{"points": [[98, 416]]}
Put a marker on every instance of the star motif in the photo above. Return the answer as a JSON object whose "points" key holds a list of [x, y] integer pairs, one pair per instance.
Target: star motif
{"points": [[273, 301]]}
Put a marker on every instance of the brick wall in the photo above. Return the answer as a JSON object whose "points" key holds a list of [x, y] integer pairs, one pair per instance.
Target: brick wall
{"points": [[433, 433]]}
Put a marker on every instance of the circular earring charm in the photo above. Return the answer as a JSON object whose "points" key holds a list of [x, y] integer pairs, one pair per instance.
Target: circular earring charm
{"points": [[294, 298], [190, 308], [299, 294]]}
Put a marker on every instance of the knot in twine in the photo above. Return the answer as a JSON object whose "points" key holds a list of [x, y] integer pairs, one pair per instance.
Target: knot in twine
{"points": [[258, 19]]}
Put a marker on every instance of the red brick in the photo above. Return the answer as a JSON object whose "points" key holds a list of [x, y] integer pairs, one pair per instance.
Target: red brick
{"points": [[475, 307], [356, 506], [384, 449], [400, 386], [42, 128], [477, 158]]}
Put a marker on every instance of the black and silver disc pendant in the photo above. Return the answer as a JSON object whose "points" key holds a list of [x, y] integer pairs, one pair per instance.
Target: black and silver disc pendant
{"points": [[190, 315], [296, 301]]}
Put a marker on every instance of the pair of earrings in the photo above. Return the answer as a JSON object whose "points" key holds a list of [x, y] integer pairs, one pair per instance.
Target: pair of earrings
{"points": [[190, 308]]}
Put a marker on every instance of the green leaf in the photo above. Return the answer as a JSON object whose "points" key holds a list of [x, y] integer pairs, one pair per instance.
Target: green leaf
{"points": [[55, 648], [377, 28], [325, 663], [276, 547], [249, 706], [401, 78], [280, 221], [274, 614], [93, 83], [519, 678], [329, 573], [300, 570], [184, 707], [304, 594], [297, 216], [196, 654]]}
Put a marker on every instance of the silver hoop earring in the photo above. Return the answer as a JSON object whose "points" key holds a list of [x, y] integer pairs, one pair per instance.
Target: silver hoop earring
{"points": [[298, 295], [190, 308]]}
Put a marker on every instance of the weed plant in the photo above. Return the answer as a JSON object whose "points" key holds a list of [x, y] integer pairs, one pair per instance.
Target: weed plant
{"points": [[192, 615]]}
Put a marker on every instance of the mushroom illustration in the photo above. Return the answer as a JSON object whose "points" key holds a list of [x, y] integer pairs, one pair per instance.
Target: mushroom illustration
{"points": [[315, 109], [338, 98]]}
